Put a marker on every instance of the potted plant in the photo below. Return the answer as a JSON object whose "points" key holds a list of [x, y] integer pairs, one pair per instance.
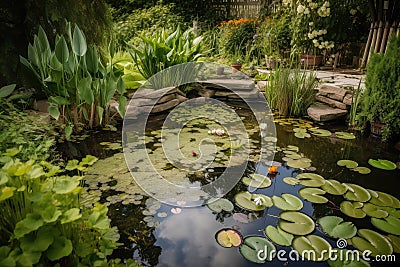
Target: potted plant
{"points": [[237, 66], [380, 103]]}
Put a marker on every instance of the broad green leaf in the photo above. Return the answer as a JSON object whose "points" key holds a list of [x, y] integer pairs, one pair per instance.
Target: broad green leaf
{"points": [[31, 223], [59, 100], [311, 179], [296, 223], [350, 164], [54, 112], [334, 187], [7, 192], [256, 202], [395, 241], [252, 247], [383, 199], [287, 202], [342, 260], [68, 131], [3, 178], [312, 247], [344, 135], [55, 64], [291, 180], [389, 224], [122, 105], [43, 41], [121, 86], [99, 220], [72, 165], [362, 170], [320, 132], [7, 90], [92, 60], [39, 242], [61, 50], [374, 211], [301, 133], [299, 163], [85, 90], [65, 184], [50, 213], [79, 46], [382, 164], [29, 258], [61, 247], [228, 238], [256, 180], [221, 204], [373, 241], [313, 195], [71, 215], [352, 209], [335, 227], [89, 160], [357, 193], [278, 236]]}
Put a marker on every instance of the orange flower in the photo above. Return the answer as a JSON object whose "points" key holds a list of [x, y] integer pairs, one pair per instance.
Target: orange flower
{"points": [[273, 169]]}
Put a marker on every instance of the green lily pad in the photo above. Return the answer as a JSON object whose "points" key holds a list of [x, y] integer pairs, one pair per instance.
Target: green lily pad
{"points": [[296, 223], [299, 163], [292, 148], [347, 261], [372, 241], [389, 224], [335, 227], [291, 180], [228, 238], [357, 193], [344, 135], [256, 202], [257, 181], [221, 204], [350, 164], [352, 209], [311, 179], [374, 211], [362, 170], [334, 187], [251, 247], [301, 133], [320, 132], [383, 199], [287, 202], [312, 243], [313, 195], [382, 164], [395, 241], [278, 236]]}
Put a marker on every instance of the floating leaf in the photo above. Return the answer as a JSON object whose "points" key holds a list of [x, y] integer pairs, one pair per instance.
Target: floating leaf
{"points": [[383, 199], [357, 193], [313, 195], [296, 223], [311, 179], [312, 243], [278, 236], [389, 224], [251, 247], [301, 133], [162, 214], [344, 135], [372, 241], [257, 181], [287, 202], [291, 180], [246, 200], [382, 164], [228, 238], [395, 240], [352, 209], [362, 170], [299, 163], [221, 204], [335, 227], [320, 132], [350, 164], [374, 211], [334, 187], [342, 260]]}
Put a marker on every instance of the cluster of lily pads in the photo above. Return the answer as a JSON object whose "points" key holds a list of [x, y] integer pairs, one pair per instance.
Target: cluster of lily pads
{"points": [[306, 133], [294, 158]]}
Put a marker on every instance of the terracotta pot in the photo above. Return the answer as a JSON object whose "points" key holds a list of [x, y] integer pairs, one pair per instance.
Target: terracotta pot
{"points": [[310, 61], [236, 67]]}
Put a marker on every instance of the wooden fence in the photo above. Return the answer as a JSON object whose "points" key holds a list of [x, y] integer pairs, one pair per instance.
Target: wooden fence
{"points": [[237, 8]]}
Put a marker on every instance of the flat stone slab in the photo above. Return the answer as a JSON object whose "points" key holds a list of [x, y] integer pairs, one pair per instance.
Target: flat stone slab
{"points": [[330, 102], [232, 84], [333, 92], [322, 112], [348, 99], [155, 93]]}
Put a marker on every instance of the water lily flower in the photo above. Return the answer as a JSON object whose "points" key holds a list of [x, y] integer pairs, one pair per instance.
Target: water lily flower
{"points": [[259, 201], [194, 154], [273, 169]]}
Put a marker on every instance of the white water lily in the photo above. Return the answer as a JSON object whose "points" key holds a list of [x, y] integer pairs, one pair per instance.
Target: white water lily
{"points": [[259, 201]]}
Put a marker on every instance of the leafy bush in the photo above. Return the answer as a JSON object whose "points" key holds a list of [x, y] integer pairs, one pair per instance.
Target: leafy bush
{"points": [[381, 98], [291, 91], [78, 84]]}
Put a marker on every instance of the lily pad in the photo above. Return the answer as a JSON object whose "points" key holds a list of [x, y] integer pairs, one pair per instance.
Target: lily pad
{"points": [[372, 241], [256, 202], [221, 204], [301, 133], [344, 135], [228, 238], [313, 195], [335, 227], [383, 199], [395, 240], [357, 193], [291, 180], [374, 211], [296, 223], [311, 179], [350, 164], [299, 163], [278, 236], [287, 202], [312, 243], [257, 181], [382, 164], [320, 132], [389, 224], [352, 209], [334, 187], [251, 247], [347, 261]]}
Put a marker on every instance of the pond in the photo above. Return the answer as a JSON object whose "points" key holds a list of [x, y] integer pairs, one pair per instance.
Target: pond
{"points": [[157, 234]]}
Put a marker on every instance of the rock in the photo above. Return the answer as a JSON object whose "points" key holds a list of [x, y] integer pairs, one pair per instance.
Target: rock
{"points": [[321, 112], [348, 99], [204, 92], [254, 94], [261, 85], [41, 117], [165, 106], [229, 84], [332, 103], [333, 92]]}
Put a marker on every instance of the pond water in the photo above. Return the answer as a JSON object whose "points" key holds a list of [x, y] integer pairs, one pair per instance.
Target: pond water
{"points": [[157, 234]]}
